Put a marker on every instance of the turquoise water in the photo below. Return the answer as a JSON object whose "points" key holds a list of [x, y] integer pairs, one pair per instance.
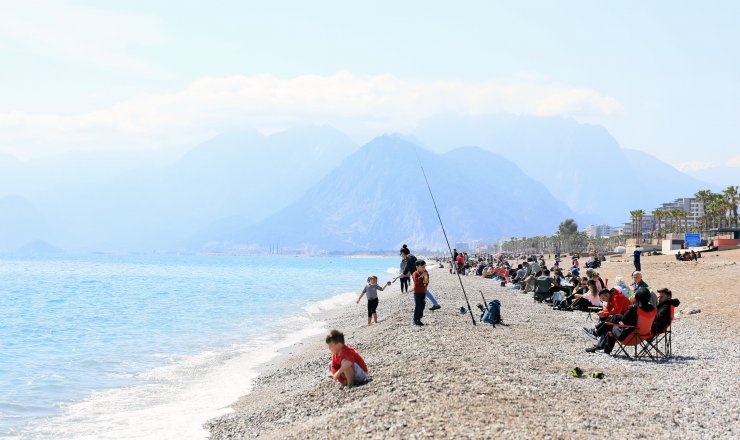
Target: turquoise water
{"points": [[151, 346]]}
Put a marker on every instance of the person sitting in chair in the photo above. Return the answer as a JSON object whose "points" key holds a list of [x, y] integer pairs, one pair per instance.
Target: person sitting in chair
{"points": [[663, 318], [616, 305], [543, 283], [642, 301]]}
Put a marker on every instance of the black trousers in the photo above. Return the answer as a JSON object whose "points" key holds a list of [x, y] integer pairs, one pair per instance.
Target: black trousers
{"points": [[405, 284], [602, 328], [638, 266], [419, 305], [372, 307]]}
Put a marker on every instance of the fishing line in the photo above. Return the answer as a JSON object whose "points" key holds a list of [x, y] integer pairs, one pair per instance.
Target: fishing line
{"points": [[472, 318]]}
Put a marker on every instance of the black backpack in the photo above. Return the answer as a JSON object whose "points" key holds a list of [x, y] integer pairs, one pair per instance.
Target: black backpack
{"points": [[492, 315]]}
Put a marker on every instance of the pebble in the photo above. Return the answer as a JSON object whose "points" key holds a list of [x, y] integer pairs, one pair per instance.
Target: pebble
{"points": [[451, 379]]}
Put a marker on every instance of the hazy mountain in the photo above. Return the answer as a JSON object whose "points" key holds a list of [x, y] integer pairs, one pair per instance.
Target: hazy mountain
{"points": [[377, 199], [38, 247], [581, 164], [720, 177], [242, 176], [20, 223]]}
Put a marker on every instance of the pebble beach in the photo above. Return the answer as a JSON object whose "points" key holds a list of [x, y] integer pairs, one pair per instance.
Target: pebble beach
{"points": [[451, 379]]}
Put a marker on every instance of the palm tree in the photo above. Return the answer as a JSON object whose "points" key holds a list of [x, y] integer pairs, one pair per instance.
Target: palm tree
{"points": [[640, 215], [733, 199], [703, 197], [657, 216], [633, 217], [681, 215]]}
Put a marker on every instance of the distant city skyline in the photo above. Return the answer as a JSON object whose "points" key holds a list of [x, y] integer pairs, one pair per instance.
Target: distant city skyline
{"points": [[662, 77]]}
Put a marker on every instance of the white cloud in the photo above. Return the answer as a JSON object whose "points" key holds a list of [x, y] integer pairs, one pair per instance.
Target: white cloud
{"points": [[360, 105], [60, 29]]}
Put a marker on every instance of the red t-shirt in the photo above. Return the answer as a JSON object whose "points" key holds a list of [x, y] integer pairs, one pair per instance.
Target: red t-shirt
{"points": [[420, 283], [461, 259], [351, 355]]}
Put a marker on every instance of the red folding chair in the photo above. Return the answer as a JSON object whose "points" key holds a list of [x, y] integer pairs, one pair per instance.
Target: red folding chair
{"points": [[639, 339], [663, 338]]}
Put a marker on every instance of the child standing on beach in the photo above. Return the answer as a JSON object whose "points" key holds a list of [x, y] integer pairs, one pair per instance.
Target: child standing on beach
{"points": [[347, 366], [421, 281], [371, 290]]}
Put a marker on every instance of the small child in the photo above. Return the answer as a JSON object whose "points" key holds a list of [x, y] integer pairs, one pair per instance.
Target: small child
{"points": [[347, 366], [372, 298], [421, 280]]}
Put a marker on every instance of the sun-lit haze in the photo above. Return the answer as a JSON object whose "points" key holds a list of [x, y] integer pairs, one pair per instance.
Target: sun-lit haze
{"points": [[662, 77], [143, 126]]}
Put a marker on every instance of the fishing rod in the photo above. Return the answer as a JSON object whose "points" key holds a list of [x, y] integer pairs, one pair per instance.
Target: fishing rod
{"points": [[472, 318]]}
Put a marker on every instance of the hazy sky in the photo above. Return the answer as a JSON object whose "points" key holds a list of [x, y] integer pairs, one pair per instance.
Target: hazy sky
{"points": [[662, 76]]}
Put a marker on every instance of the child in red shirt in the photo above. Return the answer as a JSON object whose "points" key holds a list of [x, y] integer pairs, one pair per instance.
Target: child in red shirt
{"points": [[347, 366], [421, 280]]}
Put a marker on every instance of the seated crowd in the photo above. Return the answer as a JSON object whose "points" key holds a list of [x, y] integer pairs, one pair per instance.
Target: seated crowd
{"points": [[615, 309]]}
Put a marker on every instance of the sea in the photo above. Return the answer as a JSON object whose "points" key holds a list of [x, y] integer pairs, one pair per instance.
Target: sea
{"points": [[150, 347]]}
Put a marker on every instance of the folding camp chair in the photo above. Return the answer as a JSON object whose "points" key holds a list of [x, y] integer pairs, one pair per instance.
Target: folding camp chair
{"points": [[545, 284], [663, 338], [639, 339]]}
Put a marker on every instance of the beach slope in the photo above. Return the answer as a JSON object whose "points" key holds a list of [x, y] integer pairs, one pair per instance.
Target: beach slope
{"points": [[450, 379]]}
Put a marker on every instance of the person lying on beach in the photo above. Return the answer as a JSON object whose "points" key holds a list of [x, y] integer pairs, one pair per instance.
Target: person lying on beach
{"points": [[372, 298], [347, 366]]}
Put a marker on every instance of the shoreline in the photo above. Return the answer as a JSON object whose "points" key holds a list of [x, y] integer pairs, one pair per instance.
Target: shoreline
{"points": [[427, 381]]}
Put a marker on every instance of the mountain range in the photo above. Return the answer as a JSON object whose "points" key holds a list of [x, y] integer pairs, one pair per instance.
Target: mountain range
{"points": [[377, 199], [313, 188], [581, 164]]}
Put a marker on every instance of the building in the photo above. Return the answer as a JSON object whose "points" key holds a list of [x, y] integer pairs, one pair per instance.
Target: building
{"points": [[693, 208], [462, 247], [595, 231]]}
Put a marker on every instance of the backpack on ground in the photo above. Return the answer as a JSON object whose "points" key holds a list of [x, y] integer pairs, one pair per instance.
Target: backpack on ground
{"points": [[492, 315]]}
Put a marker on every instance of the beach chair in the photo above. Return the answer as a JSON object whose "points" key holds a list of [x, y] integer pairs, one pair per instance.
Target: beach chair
{"points": [[639, 339], [663, 338], [545, 285]]}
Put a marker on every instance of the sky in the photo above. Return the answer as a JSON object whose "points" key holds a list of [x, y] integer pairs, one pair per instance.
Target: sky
{"points": [[661, 76]]}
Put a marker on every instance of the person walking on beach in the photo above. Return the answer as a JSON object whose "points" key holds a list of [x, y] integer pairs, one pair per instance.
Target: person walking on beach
{"points": [[636, 255], [421, 280], [371, 290]]}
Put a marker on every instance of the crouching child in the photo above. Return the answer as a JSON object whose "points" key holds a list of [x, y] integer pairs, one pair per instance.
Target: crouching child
{"points": [[347, 366]]}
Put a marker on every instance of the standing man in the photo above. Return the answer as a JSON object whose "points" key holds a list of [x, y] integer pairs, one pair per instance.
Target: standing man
{"points": [[637, 254]]}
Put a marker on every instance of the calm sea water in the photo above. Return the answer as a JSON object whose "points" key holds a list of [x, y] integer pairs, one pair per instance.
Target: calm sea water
{"points": [[129, 347]]}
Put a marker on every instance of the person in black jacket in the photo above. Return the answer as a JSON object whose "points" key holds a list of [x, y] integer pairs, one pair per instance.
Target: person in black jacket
{"points": [[642, 301], [409, 270], [663, 318]]}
